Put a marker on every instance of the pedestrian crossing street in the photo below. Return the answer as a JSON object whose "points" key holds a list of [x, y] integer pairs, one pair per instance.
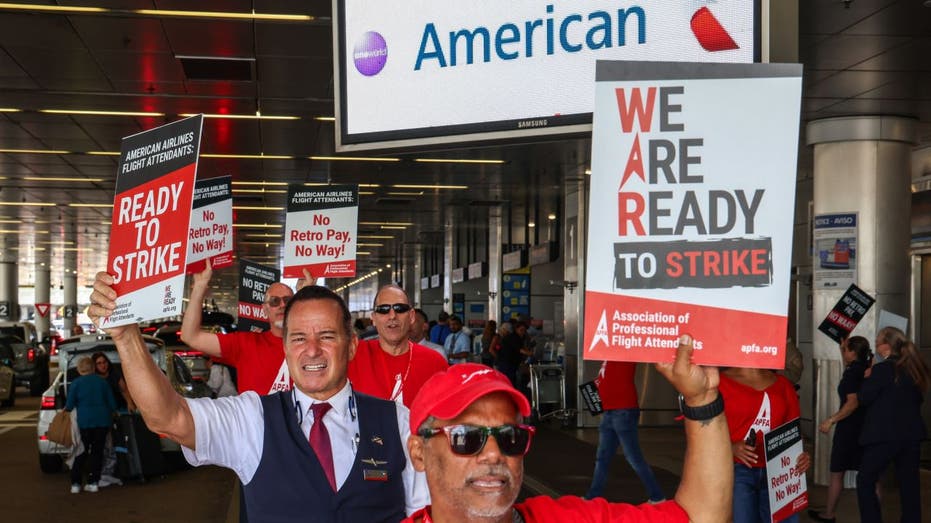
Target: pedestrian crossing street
{"points": [[14, 419]]}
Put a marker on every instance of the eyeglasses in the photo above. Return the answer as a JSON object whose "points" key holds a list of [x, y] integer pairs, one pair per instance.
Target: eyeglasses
{"points": [[275, 301], [469, 440], [399, 308]]}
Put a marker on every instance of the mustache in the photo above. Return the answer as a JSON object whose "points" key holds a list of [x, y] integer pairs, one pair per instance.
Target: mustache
{"points": [[500, 471]]}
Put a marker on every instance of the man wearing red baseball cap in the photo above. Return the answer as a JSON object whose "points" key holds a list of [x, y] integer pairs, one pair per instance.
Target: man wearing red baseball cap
{"points": [[467, 435]]}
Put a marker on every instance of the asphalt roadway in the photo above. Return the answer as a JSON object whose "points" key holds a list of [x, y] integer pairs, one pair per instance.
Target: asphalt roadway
{"points": [[28, 495], [559, 463]]}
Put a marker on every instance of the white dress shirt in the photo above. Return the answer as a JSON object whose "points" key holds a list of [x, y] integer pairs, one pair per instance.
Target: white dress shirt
{"points": [[230, 432], [435, 346], [457, 342]]}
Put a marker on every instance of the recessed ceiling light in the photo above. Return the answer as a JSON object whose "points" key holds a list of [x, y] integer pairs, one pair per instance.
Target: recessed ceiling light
{"points": [[261, 183], [248, 156], [243, 116], [256, 208], [82, 112], [58, 179], [353, 159], [458, 160], [33, 151], [430, 186], [96, 205]]}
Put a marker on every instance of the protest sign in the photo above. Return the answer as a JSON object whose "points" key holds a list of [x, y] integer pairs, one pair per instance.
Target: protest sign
{"points": [[688, 229], [254, 281], [154, 189], [788, 489], [591, 398], [835, 246], [847, 313], [320, 231], [211, 230]]}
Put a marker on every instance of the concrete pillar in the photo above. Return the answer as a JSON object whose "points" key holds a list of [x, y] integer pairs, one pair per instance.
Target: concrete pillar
{"points": [[43, 295], [70, 296], [861, 165], [449, 237], [495, 240], [417, 271], [577, 369], [9, 291]]}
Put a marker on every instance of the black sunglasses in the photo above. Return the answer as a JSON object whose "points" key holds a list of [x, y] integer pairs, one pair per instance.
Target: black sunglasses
{"points": [[469, 440], [275, 301], [399, 308]]}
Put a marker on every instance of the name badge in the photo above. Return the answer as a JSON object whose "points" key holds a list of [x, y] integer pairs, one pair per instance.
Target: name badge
{"points": [[375, 475]]}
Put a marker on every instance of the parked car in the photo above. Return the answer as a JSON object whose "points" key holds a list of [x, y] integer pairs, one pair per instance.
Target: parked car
{"points": [[7, 376], [31, 361], [170, 333], [69, 351]]}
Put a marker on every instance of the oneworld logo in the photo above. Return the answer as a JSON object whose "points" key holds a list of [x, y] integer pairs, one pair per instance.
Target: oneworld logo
{"points": [[370, 53]]}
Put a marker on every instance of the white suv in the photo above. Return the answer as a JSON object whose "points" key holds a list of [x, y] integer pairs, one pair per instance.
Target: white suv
{"points": [[53, 399]]}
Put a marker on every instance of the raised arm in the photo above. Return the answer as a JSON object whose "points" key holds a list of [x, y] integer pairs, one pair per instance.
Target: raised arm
{"points": [[707, 485], [163, 409], [191, 333]]}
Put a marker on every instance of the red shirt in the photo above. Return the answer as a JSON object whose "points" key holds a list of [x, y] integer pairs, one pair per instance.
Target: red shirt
{"points": [[377, 373], [571, 509], [761, 410], [616, 385], [259, 361]]}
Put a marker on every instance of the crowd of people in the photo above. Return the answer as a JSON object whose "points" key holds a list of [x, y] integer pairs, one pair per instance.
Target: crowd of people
{"points": [[395, 418]]}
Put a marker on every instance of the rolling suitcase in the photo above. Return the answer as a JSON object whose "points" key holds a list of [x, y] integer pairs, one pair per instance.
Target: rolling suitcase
{"points": [[138, 450]]}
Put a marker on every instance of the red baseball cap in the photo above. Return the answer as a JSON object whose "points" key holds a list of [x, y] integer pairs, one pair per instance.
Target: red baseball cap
{"points": [[446, 394]]}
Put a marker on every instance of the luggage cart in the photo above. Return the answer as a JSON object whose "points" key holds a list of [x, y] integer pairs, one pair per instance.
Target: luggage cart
{"points": [[548, 391]]}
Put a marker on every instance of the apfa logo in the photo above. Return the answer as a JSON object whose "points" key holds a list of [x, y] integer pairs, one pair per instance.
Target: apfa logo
{"points": [[370, 53], [601, 332], [710, 33]]}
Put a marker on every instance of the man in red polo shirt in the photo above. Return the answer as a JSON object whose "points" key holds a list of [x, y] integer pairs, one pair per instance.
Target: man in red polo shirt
{"points": [[257, 356], [391, 366], [467, 434]]}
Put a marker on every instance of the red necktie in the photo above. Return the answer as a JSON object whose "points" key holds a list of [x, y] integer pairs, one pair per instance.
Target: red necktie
{"points": [[320, 442]]}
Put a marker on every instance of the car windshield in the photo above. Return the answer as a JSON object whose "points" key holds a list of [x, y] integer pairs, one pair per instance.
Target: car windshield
{"points": [[15, 331], [70, 353]]}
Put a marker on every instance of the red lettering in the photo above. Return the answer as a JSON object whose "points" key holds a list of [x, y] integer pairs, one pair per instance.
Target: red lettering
{"points": [[674, 269], [759, 261], [740, 262], [692, 256], [636, 108], [711, 261], [627, 215], [634, 163]]}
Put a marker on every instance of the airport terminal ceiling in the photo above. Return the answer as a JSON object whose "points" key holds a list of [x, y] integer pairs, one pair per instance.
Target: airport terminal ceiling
{"points": [[57, 165]]}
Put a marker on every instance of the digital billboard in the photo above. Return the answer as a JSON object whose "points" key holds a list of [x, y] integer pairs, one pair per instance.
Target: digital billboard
{"points": [[418, 72]]}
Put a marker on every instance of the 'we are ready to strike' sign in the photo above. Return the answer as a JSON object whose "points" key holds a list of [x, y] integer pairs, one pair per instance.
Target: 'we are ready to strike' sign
{"points": [[691, 211]]}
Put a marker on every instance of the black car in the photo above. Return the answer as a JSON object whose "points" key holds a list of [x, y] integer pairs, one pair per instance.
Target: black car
{"points": [[31, 359], [7, 384]]}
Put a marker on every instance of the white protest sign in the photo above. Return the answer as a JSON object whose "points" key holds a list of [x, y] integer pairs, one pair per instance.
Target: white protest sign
{"points": [[693, 168]]}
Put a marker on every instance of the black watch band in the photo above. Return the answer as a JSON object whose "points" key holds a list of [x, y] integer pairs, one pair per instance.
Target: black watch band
{"points": [[703, 412]]}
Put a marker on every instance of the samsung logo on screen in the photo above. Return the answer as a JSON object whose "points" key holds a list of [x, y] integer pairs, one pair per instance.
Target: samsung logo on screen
{"points": [[529, 124], [510, 41]]}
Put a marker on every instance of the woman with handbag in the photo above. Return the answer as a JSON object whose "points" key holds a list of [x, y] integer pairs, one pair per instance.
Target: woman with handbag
{"points": [[93, 398]]}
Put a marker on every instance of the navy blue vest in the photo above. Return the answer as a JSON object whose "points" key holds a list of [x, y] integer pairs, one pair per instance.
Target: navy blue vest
{"points": [[290, 485]]}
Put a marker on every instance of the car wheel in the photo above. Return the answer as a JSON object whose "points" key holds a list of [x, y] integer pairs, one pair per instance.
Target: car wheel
{"points": [[40, 383], [50, 463], [9, 401]]}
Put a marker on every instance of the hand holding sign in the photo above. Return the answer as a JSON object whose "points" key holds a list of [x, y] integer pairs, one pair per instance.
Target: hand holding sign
{"points": [[698, 385]]}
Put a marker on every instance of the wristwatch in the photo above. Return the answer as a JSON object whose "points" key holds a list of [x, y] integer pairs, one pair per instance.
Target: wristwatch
{"points": [[703, 412]]}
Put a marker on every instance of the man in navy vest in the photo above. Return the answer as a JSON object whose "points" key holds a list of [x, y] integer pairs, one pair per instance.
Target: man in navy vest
{"points": [[353, 466]]}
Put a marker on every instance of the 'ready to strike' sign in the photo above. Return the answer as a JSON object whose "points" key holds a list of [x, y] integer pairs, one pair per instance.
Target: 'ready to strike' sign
{"points": [[211, 231], [691, 211], [320, 231], [151, 210]]}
